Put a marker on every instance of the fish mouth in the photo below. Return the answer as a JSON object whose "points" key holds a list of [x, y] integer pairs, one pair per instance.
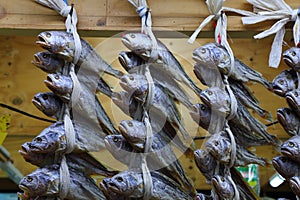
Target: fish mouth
{"points": [[42, 42], [286, 152], [37, 61], [281, 117], [122, 128], [277, 90], [214, 182], [205, 99], [288, 60], [37, 103], [24, 188], [294, 184], [49, 83], [127, 43], [290, 100], [276, 164]]}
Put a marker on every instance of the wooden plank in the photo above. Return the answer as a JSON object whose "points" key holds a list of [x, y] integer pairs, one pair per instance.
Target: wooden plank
{"points": [[117, 15]]}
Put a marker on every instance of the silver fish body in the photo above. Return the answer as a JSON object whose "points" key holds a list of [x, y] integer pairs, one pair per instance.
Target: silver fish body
{"points": [[286, 167], [45, 182], [48, 103], [53, 138], [289, 120], [129, 60], [62, 43], [293, 100], [291, 148], [292, 58], [48, 62], [205, 163], [213, 54], [284, 82], [141, 44], [130, 185], [161, 152]]}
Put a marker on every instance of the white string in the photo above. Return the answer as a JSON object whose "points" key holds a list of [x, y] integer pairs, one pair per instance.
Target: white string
{"points": [[298, 76], [236, 191], [233, 146], [64, 179], [274, 10], [70, 132]]}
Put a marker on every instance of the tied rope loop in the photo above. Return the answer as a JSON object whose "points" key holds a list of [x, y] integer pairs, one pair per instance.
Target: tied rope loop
{"points": [[64, 179], [274, 10], [298, 76], [233, 101], [70, 132], [233, 146]]}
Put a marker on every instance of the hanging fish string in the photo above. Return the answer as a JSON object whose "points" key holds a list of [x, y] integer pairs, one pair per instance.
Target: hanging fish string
{"points": [[274, 10]]}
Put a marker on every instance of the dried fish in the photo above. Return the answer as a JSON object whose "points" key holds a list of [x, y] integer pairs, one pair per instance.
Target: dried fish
{"points": [[285, 166], [48, 62], [291, 148], [48, 103], [220, 147], [130, 185], [292, 58], [213, 54], [62, 43], [284, 82], [223, 187], [289, 120], [161, 153], [162, 107], [141, 44], [293, 100], [130, 60], [205, 163], [82, 162], [53, 139], [208, 76], [46, 182]]}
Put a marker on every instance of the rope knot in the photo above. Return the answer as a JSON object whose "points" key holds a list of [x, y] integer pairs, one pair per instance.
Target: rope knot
{"points": [[143, 11], [66, 11], [295, 14]]}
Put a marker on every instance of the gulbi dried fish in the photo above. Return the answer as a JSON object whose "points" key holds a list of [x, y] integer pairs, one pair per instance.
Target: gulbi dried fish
{"points": [[292, 58], [284, 82], [285, 166], [289, 120], [291, 148]]}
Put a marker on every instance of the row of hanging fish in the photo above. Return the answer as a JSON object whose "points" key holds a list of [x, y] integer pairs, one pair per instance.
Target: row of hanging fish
{"points": [[224, 150], [89, 119], [286, 85]]}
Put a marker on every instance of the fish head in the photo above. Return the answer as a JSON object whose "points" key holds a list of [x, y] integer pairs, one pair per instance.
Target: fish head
{"points": [[201, 114], [290, 148], [134, 83], [219, 147], [286, 167], [283, 83], [134, 131], [49, 140], [288, 120], [124, 184], [119, 147], [223, 187], [48, 103], [58, 42], [295, 185], [204, 161], [292, 57], [129, 60], [139, 43], [61, 85], [216, 98], [212, 55], [48, 62], [32, 157], [293, 98]]}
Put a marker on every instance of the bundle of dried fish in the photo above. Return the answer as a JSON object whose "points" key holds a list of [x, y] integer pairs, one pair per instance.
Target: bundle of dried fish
{"points": [[45, 182], [130, 185]]}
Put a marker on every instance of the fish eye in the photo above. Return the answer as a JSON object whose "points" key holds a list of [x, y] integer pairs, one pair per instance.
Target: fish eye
{"points": [[131, 78], [48, 35], [38, 139], [130, 124], [132, 35], [293, 53], [45, 97], [284, 159], [45, 55], [56, 77], [210, 92], [216, 143], [281, 82], [223, 179], [203, 50], [119, 179], [288, 112], [29, 179], [116, 139], [291, 144]]}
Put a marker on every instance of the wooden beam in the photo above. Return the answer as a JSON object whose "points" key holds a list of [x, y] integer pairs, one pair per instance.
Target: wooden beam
{"points": [[114, 15]]}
